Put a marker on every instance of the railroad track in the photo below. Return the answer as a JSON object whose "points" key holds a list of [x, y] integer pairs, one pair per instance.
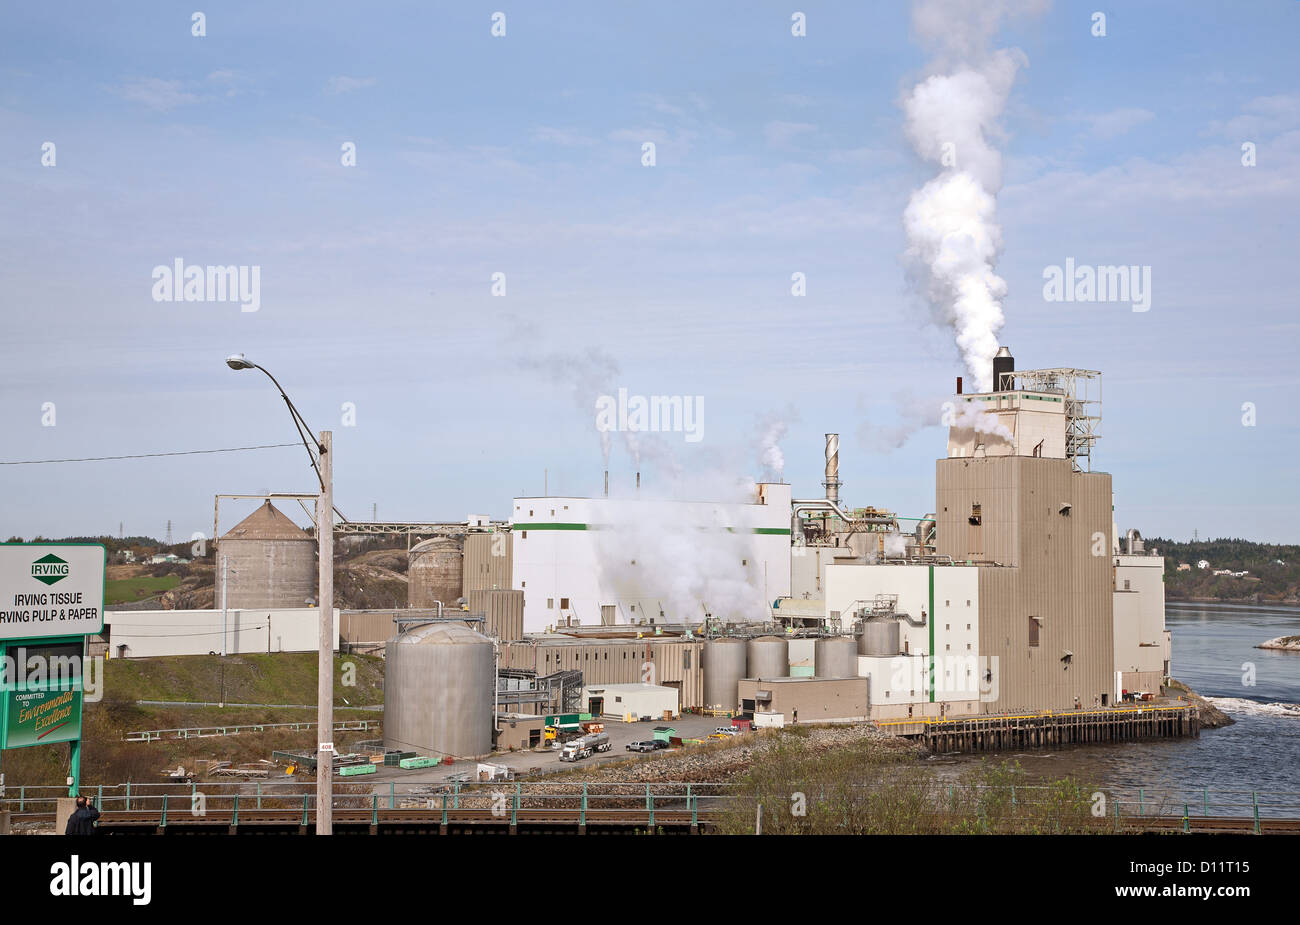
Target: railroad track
{"points": [[456, 821]]}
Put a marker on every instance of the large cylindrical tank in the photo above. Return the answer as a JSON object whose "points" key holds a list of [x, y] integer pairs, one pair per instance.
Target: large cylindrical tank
{"points": [[836, 657], [724, 666], [880, 639], [438, 691], [434, 573], [769, 657], [268, 562]]}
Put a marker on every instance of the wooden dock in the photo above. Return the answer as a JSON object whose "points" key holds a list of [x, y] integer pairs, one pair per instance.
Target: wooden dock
{"points": [[1008, 732]]}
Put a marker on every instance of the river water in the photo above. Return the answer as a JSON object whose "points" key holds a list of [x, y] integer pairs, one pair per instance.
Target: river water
{"points": [[1214, 654]]}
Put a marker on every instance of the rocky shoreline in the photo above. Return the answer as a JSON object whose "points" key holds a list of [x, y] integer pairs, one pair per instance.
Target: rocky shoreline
{"points": [[1284, 643], [1211, 716]]}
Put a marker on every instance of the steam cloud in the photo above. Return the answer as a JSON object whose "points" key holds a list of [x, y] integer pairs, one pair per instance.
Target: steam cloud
{"points": [[772, 429], [953, 240]]}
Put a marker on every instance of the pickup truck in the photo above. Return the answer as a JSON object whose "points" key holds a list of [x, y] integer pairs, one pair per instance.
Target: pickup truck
{"points": [[647, 746]]}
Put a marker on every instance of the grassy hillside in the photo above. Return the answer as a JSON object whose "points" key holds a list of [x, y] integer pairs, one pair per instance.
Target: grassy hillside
{"points": [[123, 590], [281, 677], [278, 678]]}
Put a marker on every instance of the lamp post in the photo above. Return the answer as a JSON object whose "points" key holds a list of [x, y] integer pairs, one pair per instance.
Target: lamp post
{"points": [[322, 460]]}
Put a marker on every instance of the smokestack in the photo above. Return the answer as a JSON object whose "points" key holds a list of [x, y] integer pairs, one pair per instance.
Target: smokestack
{"points": [[832, 482], [959, 385], [1004, 364], [606, 483]]}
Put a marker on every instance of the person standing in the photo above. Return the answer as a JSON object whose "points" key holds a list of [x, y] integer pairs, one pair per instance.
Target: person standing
{"points": [[82, 820]]}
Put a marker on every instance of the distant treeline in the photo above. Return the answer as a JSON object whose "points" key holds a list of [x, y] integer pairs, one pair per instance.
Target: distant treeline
{"points": [[1274, 569], [146, 545]]}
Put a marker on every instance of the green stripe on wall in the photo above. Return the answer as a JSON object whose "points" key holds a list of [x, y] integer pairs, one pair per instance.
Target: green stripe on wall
{"points": [[932, 634], [764, 531]]}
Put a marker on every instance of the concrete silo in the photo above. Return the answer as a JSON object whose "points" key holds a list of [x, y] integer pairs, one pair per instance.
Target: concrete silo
{"points": [[724, 667], [836, 657], [434, 573], [880, 638], [439, 681], [769, 657], [268, 563]]}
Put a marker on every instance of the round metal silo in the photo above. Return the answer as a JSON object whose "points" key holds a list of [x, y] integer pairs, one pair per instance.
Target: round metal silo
{"points": [[438, 691], [724, 666], [835, 657], [434, 573], [268, 563], [880, 638], [769, 657]]}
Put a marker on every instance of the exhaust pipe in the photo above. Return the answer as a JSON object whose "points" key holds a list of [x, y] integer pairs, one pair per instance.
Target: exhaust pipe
{"points": [[832, 482]]}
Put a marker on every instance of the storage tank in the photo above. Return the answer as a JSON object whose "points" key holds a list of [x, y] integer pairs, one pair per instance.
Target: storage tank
{"points": [[438, 691], [724, 666], [434, 573], [769, 657], [880, 638], [268, 561], [836, 657]]}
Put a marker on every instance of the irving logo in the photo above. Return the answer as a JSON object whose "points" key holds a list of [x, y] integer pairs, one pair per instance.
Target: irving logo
{"points": [[49, 569]]}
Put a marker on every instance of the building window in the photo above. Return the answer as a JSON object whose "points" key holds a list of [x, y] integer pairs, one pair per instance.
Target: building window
{"points": [[967, 626], [564, 603], [968, 602], [947, 626], [1033, 631], [550, 603], [968, 647], [530, 513], [1126, 584], [618, 699], [746, 562], [976, 516]]}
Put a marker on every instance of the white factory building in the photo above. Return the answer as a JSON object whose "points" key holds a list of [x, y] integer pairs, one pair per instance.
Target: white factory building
{"points": [[609, 561]]}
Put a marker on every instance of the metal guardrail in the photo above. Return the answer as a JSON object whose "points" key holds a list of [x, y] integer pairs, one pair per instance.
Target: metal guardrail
{"points": [[207, 732], [1173, 809]]}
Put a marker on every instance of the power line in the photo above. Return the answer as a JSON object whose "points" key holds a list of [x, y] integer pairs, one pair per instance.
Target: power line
{"points": [[231, 449]]}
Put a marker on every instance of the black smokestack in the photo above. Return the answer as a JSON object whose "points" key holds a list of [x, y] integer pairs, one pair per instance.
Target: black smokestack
{"points": [[1004, 368]]}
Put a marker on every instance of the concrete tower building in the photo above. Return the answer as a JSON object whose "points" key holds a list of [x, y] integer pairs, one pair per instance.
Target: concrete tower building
{"points": [[1015, 499]]}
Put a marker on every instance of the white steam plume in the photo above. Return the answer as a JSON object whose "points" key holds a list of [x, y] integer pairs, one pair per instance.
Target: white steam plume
{"points": [[981, 421], [772, 429], [953, 240], [590, 374]]}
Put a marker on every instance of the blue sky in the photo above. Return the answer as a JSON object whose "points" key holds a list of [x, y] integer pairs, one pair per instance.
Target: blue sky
{"points": [[522, 155]]}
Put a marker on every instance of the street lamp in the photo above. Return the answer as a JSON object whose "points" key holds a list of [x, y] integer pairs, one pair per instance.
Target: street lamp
{"points": [[322, 460]]}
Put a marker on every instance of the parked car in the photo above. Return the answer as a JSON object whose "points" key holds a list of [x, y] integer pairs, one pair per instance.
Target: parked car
{"points": [[661, 743], [642, 746]]}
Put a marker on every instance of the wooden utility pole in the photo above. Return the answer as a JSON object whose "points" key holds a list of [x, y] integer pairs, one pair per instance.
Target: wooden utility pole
{"points": [[325, 667]]}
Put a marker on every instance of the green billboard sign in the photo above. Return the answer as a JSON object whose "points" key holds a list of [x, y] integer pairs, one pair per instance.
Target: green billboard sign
{"points": [[39, 717]]}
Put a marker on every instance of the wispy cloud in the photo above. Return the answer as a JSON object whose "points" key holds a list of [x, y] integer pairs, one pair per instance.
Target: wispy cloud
{"points": [[549, 134], [1116, 122], [344, 84], [783, 134], [155, 93], [1262, 117]]}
